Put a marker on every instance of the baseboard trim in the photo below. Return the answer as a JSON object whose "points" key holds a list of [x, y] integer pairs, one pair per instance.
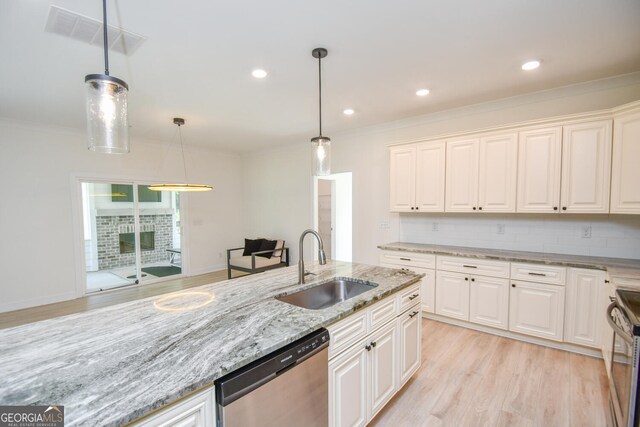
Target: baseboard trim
{"points": [[573, 348], [208, 269], [36, 302]]}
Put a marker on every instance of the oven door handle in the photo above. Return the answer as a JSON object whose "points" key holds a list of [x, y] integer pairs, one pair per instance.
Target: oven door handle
{"points": [[615, 327]]}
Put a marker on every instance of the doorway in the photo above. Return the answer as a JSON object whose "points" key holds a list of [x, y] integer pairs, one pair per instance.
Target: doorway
{"points": [[131, 235], [333, 214]]}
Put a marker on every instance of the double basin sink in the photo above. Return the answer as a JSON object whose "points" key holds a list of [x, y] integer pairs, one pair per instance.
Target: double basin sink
{"points": [[327, 294]]}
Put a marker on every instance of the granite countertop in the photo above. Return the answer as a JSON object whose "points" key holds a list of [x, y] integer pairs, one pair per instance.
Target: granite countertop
{"points": [[112, 365], [615, 266]]}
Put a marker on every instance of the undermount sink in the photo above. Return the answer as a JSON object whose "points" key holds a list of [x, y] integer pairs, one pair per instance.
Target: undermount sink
{"points": [[328, 293]]}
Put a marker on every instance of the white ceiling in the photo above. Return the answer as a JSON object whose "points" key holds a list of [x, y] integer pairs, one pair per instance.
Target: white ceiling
{"points": [[199, 54]]}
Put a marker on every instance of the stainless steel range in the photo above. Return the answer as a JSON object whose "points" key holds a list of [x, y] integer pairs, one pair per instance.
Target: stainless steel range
{"points": [[624, 317]]}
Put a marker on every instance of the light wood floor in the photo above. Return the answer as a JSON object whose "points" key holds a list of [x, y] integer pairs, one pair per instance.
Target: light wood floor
{"points": [[470, 378], [107, 298]]}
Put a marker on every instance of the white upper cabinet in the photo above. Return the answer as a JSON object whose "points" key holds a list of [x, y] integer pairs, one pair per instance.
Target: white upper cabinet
{"points": [[539, 162], [498, 173], [417, 177], [462, 175], [430, 168], [625, 174], [586, 167], [402, 184]]}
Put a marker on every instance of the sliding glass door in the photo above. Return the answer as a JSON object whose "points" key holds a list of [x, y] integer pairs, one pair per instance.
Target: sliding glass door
{"points": [[131, 234]]}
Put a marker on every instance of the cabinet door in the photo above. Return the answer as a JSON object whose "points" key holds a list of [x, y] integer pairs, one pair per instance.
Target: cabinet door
{"points": [[348, 389], [539, 154], [583, 309], [410, 333], [452, 295], [498, 173], [586, 167], [489, 301], [537, 309], [608, 296], [462, 176], [430, 176], [195, 411], [383, 367], [402, 179], [625, 173]]}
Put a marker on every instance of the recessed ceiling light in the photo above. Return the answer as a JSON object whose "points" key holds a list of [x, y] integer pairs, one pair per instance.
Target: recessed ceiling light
{"points": [[422, 92], [259, 73], [348, 112], [530, 65]]}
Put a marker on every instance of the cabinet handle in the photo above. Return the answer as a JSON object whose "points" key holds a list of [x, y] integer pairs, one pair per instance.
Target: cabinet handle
{"points": [[479, 208], [417, 207], [606, 281], [555, 208], [412, 208], [513, 285], [405, 259], [368, 347], [473, 280], [414, 296], [564, 208], [474, 208], [413, 314], [373, 344], [537, 274], [469, 266], [466, 278]]}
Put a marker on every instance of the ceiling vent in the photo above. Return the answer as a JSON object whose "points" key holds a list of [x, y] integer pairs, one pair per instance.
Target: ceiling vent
{"points": [[89, 30]]}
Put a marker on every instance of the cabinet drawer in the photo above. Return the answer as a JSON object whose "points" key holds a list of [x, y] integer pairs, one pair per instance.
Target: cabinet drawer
{"points": [[346, 332], [409, 297], [382, 312], [408, 259], [474, 266], [539, 273]]}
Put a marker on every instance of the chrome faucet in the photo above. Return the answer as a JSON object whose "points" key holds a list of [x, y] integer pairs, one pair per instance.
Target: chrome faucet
{"points": [[322, 258]]}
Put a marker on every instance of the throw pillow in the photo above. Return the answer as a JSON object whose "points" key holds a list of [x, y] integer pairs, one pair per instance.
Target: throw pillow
{"points": [[251, 246], [267, 245], [278, 249]]}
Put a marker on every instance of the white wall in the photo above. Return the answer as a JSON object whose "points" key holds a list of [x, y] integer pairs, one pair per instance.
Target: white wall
{"points": [[364, 152], [37, 165]]}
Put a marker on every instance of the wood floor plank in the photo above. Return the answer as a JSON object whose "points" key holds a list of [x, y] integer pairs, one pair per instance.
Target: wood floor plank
{"points": [[470, 379]]}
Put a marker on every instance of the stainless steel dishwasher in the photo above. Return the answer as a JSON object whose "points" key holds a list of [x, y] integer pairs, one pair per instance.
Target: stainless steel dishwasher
{"points": [[288, 387]]}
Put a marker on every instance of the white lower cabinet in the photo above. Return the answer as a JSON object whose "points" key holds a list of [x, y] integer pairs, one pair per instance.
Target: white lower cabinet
{"points": [[410, 336], [197, 410], [489, 301], [364, 377], [348, 388], [452, 295], [537, 309], [383, 367], [583, 312]]}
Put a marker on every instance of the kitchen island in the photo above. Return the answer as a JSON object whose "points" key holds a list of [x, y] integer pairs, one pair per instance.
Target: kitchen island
{"points": [[113, 365]]}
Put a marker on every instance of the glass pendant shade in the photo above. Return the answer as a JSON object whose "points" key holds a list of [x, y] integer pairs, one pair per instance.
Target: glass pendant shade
{"points": [[107, 122], [321, 155]]}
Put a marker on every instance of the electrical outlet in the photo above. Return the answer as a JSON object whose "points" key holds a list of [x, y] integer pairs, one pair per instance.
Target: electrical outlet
{"points": [[384, 225], [435, 226], [586, 232], [500, 229]]}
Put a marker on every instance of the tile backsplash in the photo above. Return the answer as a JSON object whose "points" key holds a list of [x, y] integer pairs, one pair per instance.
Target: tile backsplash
{"points": [[615, 236]]}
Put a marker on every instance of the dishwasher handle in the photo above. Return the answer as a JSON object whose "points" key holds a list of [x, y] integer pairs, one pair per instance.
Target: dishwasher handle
{"points": [[244, 380]]}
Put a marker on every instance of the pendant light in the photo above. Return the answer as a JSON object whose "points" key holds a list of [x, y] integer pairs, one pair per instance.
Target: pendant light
{"points": [[180, 187], [107, 122], [321, 145]]}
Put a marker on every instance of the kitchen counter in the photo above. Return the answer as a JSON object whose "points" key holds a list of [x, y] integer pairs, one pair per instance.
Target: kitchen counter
{"points": [[615, 266], [113, 365]]}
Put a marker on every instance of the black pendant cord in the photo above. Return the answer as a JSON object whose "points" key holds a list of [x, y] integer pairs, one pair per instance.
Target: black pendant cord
{"points": [[320, 93], [184, 162], [104, 35]]}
